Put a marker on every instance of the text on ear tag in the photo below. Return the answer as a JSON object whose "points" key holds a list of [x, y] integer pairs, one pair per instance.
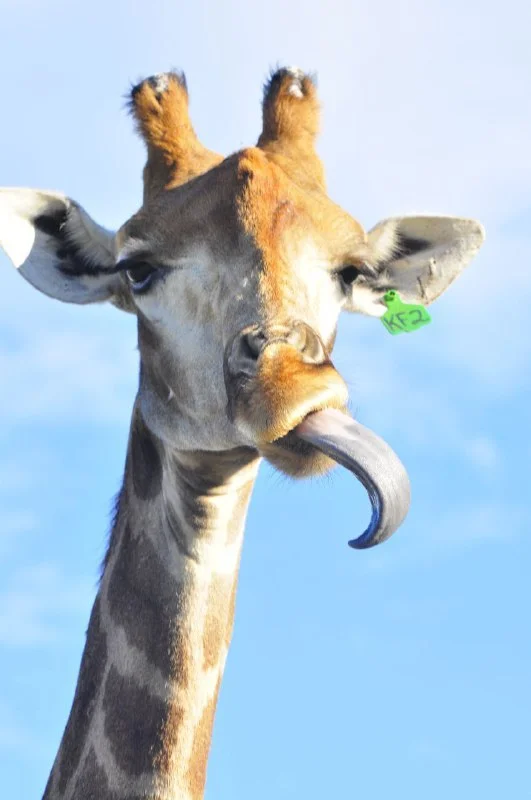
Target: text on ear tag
{"points": [[403, 317]]}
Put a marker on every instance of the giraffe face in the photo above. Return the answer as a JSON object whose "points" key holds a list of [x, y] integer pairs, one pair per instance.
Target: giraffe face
{"points": [[238, 279]]}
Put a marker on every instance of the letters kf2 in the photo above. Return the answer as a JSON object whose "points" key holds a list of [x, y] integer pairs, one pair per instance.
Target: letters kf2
{"points": [[402, 317]]}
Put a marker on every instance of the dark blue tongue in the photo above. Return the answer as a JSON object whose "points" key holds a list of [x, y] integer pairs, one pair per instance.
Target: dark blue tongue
{"points": [[371, 460]]}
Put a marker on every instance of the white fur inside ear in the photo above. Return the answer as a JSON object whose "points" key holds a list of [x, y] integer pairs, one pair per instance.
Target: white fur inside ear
{"points": [[18, 209], [366, 300], [383, 240], [420, 256], [95, 242], [18, 239], [54, 244]]}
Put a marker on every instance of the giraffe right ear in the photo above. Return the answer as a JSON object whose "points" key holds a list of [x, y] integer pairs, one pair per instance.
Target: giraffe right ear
{"points": [[58, 248]]}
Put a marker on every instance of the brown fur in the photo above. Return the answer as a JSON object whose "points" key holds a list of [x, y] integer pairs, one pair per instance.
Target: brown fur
{"points": [[278, 212], [290, 127], [175, 154], [164, 762]]}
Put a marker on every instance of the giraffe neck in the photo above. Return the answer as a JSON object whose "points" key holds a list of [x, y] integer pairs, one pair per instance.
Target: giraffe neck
{"points": [[142, 717]]}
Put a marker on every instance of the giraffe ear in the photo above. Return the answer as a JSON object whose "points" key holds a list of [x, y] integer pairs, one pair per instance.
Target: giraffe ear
{"points": [[57, 247], [418, 256]]}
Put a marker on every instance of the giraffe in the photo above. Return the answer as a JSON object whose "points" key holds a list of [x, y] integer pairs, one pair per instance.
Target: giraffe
{"points": [[237, 270]]}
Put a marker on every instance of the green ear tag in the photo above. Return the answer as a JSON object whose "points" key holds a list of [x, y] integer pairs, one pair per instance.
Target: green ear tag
{"points": [[401, 317]]}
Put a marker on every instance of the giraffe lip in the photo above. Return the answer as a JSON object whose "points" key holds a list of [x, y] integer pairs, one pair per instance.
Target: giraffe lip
{"points": [[371, 460]]}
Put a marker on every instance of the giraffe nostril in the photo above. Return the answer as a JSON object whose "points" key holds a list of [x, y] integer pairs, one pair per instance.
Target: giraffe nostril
{"points": [[307, 343], [253, 343], [297, 337], [246, 349], [314, 350]]}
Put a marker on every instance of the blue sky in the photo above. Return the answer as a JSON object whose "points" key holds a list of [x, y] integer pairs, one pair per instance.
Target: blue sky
{"points": [[403, 671]]}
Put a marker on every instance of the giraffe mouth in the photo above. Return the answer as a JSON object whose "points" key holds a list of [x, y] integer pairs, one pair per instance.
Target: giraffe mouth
{"points": [[371, 460], [295, 412]]}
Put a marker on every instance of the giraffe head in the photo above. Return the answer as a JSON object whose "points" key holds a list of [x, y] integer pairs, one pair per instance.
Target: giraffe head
{"points": [[237, 270]]}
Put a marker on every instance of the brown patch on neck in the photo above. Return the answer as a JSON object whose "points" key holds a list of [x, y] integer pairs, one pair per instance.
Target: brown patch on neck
{"points": [[164, 761]]}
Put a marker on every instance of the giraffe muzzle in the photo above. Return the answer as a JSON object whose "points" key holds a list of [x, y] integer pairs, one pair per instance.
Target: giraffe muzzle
{"points": [[288, 395], [268, 403], [372, 461]]}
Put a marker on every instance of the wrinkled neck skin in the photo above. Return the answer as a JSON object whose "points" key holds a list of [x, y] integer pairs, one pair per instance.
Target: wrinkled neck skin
{"points": [[141, 722]]}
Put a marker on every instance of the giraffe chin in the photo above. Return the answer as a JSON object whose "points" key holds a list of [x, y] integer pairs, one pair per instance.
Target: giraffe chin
{"points": [[293, 456]]}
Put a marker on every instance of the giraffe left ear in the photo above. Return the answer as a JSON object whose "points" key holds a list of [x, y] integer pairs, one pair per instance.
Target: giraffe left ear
{"points": [[418, 256], [58, 248]]}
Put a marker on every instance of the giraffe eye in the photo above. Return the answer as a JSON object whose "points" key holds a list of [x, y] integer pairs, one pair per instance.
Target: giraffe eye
{"points": [[140, 276], [349, 274]]}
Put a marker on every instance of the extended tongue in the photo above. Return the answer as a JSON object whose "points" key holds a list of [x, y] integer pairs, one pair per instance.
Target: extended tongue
{"points": [[371, 460]]}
